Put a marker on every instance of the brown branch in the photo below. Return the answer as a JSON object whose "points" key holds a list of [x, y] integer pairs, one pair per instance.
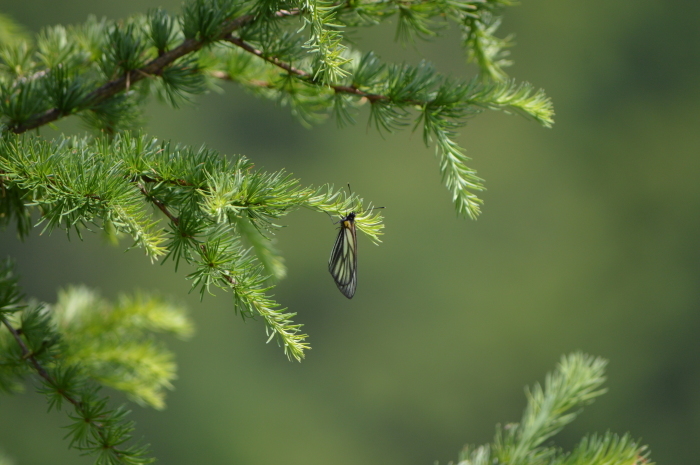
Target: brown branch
{"points": [[29, 355], [224, 76], [177, 182], [307, 76], [275, 61], [161, 206], [153, 68]]}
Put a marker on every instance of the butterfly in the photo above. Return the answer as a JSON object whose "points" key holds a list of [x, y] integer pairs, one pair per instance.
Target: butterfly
{"points": [[343, 262]]}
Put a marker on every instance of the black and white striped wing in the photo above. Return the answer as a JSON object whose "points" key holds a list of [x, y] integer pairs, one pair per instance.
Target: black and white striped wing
{"points": [[343, 261]]}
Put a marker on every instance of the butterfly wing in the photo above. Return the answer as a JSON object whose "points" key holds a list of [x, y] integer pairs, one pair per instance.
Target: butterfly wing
{"points": [[343, 262]]}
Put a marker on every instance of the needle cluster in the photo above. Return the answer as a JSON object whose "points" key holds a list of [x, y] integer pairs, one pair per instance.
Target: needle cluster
{"points": [[81, 344], [576, 382], [210, 209], [290, 51]]}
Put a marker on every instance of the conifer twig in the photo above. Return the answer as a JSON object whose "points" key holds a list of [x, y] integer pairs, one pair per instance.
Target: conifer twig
{"points": [[161, 206], [28, 355], [303, 74], [154, 67]]}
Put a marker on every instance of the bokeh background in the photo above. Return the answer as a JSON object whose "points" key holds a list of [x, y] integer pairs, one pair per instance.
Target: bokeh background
{"points": [[589, 241]]}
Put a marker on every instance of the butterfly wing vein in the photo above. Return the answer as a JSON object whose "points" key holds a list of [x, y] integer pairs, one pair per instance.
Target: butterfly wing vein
{"points": [[343, 262]]}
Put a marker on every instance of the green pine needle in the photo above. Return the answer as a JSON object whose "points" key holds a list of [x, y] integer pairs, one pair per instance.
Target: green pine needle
{"points": [[575, 383]]}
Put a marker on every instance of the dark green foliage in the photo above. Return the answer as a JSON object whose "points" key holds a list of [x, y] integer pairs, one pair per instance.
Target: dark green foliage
{"points": [[126, 48], [12, 367], [180, 81], [66, 92], [10, 295], [120, 113], [161, 29], [85, 342], [13, 211], [204, 19], [21, 100]]}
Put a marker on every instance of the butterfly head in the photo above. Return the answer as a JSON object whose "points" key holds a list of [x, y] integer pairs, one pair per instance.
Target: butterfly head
{"points": [[348, 219]]}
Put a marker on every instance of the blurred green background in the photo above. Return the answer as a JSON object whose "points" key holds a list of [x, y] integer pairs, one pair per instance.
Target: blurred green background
{"points": [[589, 241]]}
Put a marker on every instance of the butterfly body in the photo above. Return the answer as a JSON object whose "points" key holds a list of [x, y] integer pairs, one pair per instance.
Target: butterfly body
{"points": [[343, 261]]}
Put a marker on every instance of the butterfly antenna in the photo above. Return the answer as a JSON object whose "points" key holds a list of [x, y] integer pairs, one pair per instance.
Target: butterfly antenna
{"points": [[331, 218]]}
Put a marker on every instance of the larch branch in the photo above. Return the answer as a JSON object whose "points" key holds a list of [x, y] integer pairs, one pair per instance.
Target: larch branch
{"points": [[153, 68], [304, 75], [29, 356]]}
